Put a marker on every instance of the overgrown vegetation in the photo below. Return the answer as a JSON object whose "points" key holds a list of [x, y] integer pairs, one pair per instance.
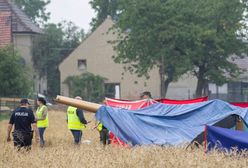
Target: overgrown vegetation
{"points": [[198, 37], [4, 116], [50, 48], [14, 74], [103, 9], [87, 85], [35, 9]]}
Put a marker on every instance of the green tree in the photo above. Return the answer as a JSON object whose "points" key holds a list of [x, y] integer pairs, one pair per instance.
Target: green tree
{"points": [[35, 9], [45, 51], [51, 48], [148, 37], [87, 85], [72, 34], [13, 74], [103, 8], [216, 35], [181, 36]]}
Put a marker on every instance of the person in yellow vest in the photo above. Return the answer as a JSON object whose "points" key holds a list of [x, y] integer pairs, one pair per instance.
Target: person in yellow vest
{"points": [[104, 133], [42, 118], [76, 122]]}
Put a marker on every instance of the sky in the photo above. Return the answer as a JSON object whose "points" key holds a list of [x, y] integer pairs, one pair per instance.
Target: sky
{"points": [[77, 11]]}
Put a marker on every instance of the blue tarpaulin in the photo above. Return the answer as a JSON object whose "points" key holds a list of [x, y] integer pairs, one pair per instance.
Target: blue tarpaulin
{"points": [[222, 138], [163, 124]]}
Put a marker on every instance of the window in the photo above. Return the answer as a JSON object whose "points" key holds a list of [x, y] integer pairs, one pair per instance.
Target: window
{"points": [[112, 90], [82, 64], [238, 91]]}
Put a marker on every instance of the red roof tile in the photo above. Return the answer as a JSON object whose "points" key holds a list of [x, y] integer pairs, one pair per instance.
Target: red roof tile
{"points": [[20, 21]]}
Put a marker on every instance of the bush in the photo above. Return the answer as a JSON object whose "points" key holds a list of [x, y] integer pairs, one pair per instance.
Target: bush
{"points": [[13, 74], [87, 85]]}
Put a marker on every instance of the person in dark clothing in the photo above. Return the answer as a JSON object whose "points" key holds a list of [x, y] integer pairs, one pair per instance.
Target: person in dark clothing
{"points": [[146, 95], [103, 131], [104, 134], [23, 119], [76, 122]]}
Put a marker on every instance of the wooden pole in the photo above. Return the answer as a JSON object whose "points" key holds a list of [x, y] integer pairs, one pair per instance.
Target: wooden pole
{"points": [[88, 106]]}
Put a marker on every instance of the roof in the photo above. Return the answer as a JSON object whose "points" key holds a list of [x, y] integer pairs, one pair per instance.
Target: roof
{"points": [[108, 22], [4, 6], [242, 62], [21, 23]]}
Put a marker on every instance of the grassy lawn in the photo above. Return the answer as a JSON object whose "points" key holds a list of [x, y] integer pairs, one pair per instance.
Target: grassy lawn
{"points": [[4, 116]]}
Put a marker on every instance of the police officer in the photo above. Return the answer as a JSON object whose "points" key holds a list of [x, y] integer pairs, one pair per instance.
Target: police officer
{"points": [[76, 122], [23, 119]]}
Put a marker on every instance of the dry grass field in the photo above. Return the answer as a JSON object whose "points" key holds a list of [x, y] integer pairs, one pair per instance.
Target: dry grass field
{"points": [[60, 152]]}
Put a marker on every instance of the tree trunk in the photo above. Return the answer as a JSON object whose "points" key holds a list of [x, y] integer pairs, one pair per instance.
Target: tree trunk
{"points": [[162, 78], [200, 82], [199, 88], [162, 83], [206, 88]]}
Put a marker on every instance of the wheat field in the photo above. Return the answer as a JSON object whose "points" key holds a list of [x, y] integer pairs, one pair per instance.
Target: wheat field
{"points": [[60, 152]]}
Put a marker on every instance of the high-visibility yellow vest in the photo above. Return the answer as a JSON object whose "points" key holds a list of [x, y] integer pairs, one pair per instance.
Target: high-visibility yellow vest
{"points": [[99, 127], [73, 120], [41, 123]]}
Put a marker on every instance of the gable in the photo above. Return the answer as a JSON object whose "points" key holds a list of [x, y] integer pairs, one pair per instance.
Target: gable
{"points": [[94, 41], [20, 22], [242, 62], [97, 53]]}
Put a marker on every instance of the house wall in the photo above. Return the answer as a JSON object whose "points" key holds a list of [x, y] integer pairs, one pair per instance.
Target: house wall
{"points": [[98, 53], [17, 28], [184, 88], [23, 44]]}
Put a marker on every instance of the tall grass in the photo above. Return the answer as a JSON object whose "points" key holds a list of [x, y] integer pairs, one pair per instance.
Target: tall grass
{"points": [[4, 115], [60, 152]]}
